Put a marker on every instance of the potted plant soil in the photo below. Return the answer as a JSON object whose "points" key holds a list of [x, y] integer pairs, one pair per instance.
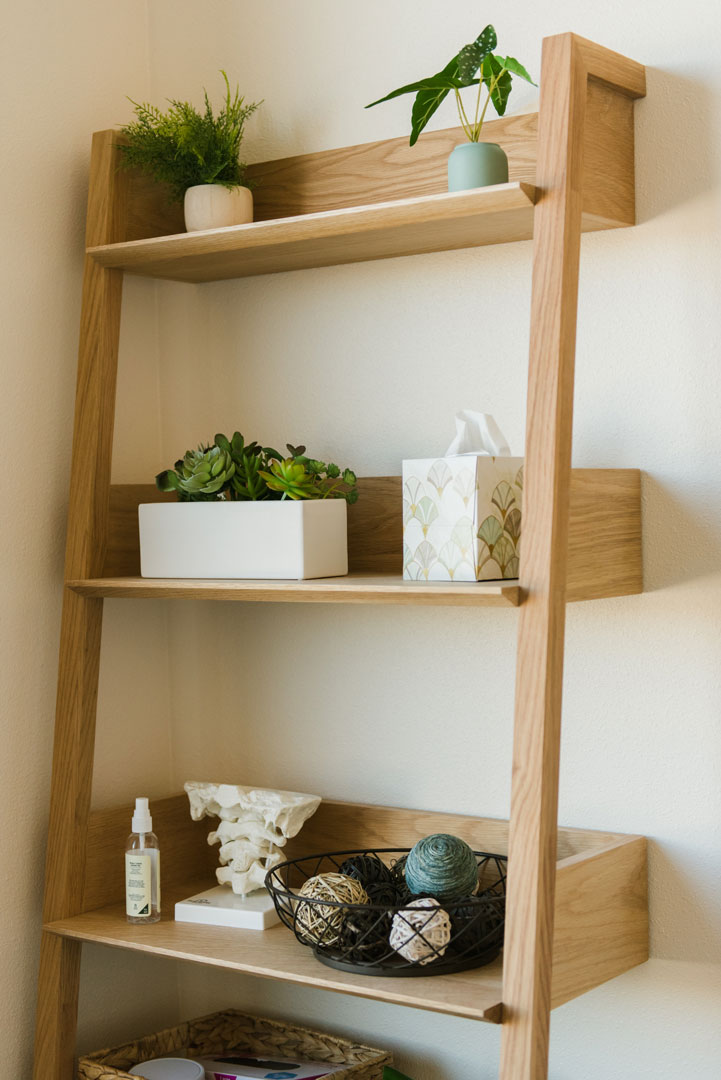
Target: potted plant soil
{"points": [[475, 163], [196, 154], [246, 511]]}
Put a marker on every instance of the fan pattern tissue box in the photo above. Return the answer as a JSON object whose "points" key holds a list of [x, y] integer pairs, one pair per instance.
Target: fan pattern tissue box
{"points": [[462, 512]]}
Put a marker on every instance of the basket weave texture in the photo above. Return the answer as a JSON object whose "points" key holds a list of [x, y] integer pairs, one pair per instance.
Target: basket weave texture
{"points": [[232, 1030]]}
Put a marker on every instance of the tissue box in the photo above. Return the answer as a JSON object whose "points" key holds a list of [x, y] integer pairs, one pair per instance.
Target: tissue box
{"points": [[462, 518]]}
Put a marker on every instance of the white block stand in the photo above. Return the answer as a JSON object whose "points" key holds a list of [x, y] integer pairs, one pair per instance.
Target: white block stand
{"points": [[220, 906]]}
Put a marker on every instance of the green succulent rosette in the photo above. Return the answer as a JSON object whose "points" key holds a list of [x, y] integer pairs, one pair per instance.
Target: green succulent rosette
{"points": [[201, 475], [291, 478]]}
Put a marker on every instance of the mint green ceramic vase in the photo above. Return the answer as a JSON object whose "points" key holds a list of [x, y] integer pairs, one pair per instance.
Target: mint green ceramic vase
{"points": [[474, 165]]}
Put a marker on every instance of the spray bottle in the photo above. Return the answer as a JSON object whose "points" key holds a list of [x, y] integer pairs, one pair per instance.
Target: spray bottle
{"points": [[142, 868]]}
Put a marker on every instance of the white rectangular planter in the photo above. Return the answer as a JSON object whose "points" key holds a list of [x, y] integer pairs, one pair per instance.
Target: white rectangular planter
{"points": [[285, 539]]}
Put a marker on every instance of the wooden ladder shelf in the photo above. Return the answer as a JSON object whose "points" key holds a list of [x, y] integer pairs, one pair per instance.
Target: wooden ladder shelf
{"points": [[571, 170]]}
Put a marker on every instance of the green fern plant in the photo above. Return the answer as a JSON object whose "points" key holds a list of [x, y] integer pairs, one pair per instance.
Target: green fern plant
{"points": [[183, 147]]}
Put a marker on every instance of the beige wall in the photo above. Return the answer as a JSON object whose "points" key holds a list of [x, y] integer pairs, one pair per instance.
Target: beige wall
{"points": [[64, 72], [368, 363]]}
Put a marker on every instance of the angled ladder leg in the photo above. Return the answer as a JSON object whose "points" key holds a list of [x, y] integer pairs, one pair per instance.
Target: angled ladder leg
{"points": [[568, 61], [82, 621]]}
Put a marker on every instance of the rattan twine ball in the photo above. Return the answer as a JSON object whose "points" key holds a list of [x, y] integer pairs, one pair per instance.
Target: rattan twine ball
{"points": [[422, 934], [367, 869], [442, 865], [477, 925], [364, 935], [386, 893], [320, 924]]}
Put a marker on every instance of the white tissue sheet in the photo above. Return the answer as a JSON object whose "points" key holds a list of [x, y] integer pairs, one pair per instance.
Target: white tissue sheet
{"points": [[478, 433], [462, 512]]}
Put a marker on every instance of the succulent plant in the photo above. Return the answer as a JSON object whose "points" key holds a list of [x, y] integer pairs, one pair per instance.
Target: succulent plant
{"points": [[201, 475], [241, 472], [299, 477], [291, 478]]}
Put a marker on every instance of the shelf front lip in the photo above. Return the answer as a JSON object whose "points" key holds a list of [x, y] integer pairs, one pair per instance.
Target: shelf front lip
{"points": [[450, 994], [354, 589], [151, 255]]}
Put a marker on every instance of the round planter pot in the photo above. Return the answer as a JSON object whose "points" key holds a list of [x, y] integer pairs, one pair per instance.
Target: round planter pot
{"points": [[212, 206], [473, 165]]}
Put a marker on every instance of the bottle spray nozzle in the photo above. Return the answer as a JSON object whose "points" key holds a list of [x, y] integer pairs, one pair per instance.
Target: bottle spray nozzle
{"points": [[142, 821]]}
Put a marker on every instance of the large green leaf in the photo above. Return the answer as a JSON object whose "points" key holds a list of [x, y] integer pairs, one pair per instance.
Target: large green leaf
{"points": [[470, 57], [428, 99], [458, 73], [494, 75], [516, 69], [446, 79], [433, 90]]}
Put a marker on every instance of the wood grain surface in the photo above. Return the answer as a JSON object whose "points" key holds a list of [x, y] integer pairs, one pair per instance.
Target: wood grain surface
{"points": [[604, 551], [560, 174], [336, 825], [601, 912], [390, 170], [82, 618], [444, 222]]}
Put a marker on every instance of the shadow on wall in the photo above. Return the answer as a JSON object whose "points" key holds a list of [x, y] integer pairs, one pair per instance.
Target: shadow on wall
{"points": [[681, 533], [683, 904], [676, 158]]}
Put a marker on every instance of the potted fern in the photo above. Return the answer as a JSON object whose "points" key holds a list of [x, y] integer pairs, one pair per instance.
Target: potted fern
{"points": [[196, 155], [246, 511], [474, 163]]}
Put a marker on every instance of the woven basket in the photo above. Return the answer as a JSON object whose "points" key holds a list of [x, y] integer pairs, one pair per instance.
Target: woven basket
{"points": [[235, 1031]]}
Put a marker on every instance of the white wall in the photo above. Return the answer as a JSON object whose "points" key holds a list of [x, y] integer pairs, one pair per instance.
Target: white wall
{"points": [[368, 363]]}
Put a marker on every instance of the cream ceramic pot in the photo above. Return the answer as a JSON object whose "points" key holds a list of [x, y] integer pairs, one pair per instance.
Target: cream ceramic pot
{"points": [[213, 206]]}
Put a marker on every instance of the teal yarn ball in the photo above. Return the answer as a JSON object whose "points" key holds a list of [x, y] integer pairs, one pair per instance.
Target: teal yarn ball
{"points": [[442, 865]]}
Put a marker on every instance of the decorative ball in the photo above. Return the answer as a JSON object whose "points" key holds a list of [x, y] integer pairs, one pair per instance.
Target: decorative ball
{"points": [[477, 925], [421, 932], [364, 935], [386, 893], [442, 865], [366, 868], [398, 870], [320, 924]]}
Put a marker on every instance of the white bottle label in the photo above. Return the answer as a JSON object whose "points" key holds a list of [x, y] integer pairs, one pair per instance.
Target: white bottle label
{"points": [[138, 884]]}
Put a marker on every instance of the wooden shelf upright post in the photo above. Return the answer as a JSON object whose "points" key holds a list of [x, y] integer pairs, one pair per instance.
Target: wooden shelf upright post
{"points": [[82, 618], [568, 63]]}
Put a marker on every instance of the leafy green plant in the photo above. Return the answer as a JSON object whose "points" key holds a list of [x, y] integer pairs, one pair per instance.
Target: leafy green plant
{"points": [[474, 65], [242, 472], [183, 147]]}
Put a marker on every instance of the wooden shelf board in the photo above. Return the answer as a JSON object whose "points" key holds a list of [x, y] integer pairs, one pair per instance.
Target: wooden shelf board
{"points": [[275, 954], [357, 588], [411, 226]]}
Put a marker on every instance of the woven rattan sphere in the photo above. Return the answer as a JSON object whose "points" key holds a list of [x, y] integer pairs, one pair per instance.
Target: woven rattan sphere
{"points": [[386, 893], [320, 924], [366, 868], [421, 932], [442, 865], [477, 925]]}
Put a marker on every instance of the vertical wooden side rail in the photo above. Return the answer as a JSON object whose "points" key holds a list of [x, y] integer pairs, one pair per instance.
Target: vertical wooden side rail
{"points": [[82, 619], [567, 63]]}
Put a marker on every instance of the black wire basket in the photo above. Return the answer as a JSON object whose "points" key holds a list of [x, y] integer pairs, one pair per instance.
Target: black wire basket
{"points": [[356, 937]]}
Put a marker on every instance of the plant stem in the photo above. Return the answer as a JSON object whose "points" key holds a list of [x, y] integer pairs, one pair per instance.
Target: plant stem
{"points": [[465, 122], [491, 88], [478, 98]]}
